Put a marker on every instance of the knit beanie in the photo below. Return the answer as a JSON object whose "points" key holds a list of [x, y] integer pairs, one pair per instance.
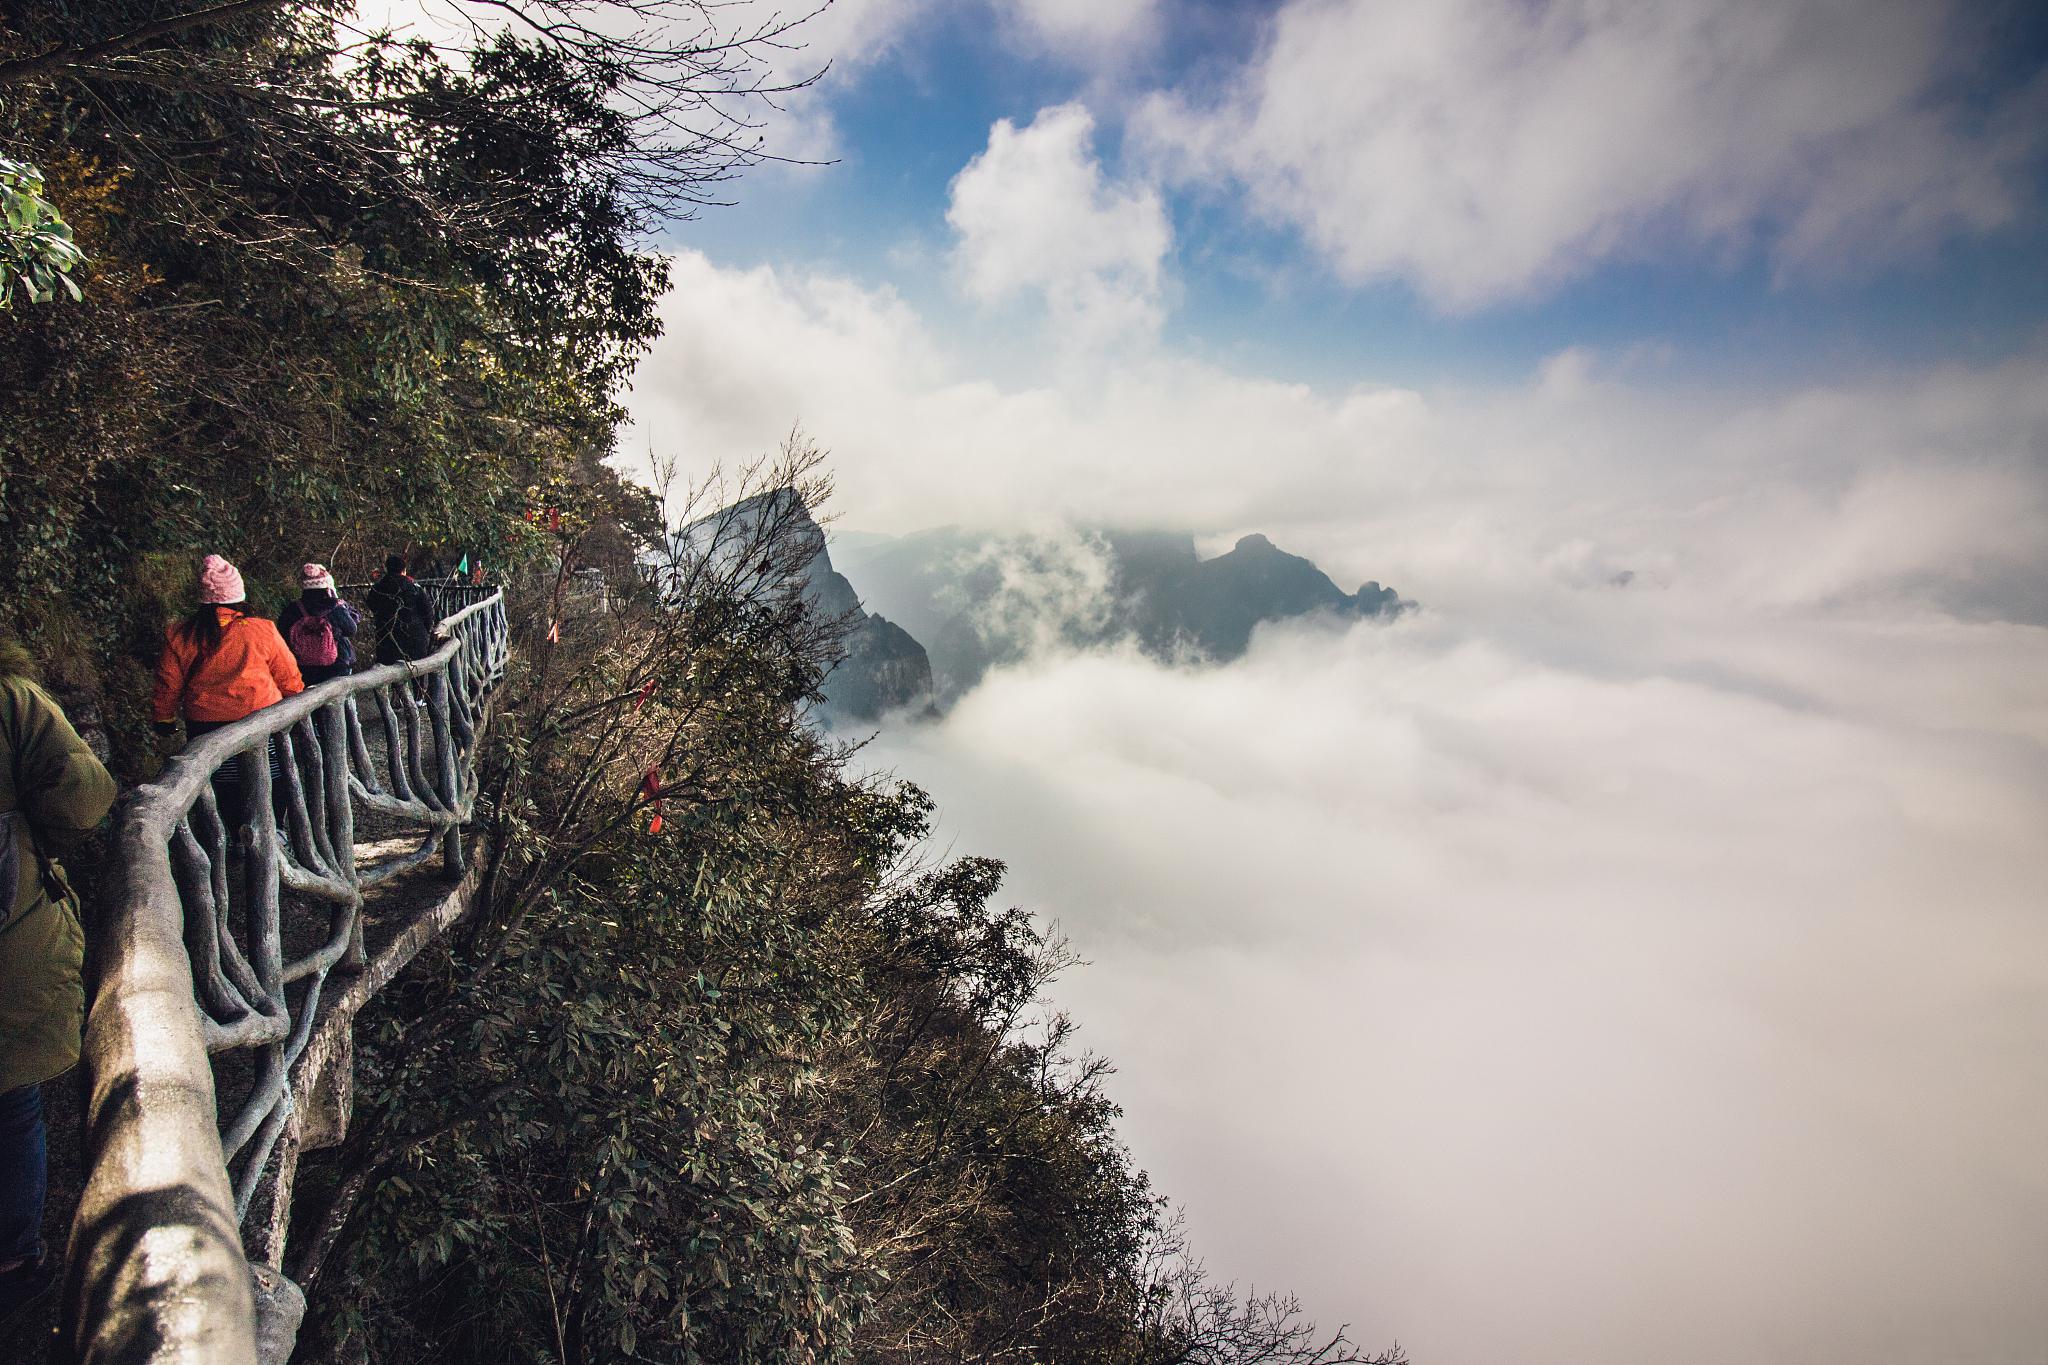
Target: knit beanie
{"points": [[219, 581], [312, 576]]}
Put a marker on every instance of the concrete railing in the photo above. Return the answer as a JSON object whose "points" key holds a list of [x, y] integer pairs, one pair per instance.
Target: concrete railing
{"points": [[230, 964]]}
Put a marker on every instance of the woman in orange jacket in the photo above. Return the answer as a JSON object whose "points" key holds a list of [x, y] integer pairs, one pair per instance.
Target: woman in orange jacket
{"points": [[221, 664]]}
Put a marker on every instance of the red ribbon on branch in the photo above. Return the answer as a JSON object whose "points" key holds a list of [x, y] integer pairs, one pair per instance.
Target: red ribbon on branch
{"points": [[650, 789]]}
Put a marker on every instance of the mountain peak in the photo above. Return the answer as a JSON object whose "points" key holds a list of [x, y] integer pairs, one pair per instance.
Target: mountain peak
{"points": [[1253, 543], [881, 667]]}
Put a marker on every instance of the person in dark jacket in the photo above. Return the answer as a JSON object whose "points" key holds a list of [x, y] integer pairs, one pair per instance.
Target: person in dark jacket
{"points": [[405, 615], [53, 791], [320, 628]]}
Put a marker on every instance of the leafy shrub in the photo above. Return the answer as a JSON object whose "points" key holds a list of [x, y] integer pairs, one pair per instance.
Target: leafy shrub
{"points": [[37, 254]]}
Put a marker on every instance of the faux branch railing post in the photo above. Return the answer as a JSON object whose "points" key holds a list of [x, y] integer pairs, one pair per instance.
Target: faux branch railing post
{"points": [[195, 966]]}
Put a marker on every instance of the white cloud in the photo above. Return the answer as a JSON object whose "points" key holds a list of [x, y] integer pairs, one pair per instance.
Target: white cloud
{"points": [[1488, 149], [1046, 582], [1928, 488], [1095, 31], [1659, 1007], [1035, 214]]}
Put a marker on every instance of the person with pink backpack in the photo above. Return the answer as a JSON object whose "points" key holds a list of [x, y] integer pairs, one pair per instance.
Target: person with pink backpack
{"points": [[320, 628]]}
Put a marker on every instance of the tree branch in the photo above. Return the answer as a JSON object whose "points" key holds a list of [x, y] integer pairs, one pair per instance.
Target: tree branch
{"points": [[58, 60]]}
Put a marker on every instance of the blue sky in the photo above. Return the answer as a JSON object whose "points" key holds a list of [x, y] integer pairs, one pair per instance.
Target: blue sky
{"points": [[1249, 289]]}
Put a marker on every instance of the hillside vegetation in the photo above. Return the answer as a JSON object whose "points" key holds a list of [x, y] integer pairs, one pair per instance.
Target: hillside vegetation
{"points": [[721, 1068]]}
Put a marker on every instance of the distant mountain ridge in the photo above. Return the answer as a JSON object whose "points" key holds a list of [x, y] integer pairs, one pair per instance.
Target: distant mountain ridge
{"points": [[961, 603], [977, 601]]}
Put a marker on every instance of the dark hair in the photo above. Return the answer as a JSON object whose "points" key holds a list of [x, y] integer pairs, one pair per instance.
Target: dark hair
{"points": [[318, 597], [202, 624], [394, 563]]}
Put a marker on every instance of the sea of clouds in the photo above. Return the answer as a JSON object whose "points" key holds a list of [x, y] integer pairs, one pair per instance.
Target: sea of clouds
{"points": [[1684, 1000], [1637, 953]]}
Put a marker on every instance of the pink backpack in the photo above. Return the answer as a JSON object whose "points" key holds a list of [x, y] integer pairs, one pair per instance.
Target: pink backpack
{"points": [[312, 641]]}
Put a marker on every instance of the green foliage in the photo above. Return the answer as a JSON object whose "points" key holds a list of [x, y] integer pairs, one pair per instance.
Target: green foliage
{"points": [[338, 310], [636, 1189], [717, 1105], [37, 254]]}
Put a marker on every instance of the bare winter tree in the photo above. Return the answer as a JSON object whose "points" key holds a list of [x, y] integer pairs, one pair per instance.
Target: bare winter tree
{"points": [[688, 75], [661, 101], [1201, 1322]]}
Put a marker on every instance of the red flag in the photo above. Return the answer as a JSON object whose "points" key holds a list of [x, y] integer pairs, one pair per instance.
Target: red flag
{"points": [[654, 825], [646, 691]]}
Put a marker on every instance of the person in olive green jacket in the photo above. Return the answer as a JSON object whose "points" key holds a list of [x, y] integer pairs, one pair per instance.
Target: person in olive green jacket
{"points": [[52, 793]]}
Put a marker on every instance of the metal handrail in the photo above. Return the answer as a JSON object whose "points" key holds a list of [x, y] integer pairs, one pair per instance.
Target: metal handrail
{"points": [[157, 1269]]}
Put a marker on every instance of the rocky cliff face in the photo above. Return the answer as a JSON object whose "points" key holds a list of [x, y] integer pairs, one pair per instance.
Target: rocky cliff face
{"points": [[881, 668], [884, 670]]}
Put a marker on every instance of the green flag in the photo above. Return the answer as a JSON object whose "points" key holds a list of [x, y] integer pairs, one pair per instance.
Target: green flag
{"points": [[463, 567]]}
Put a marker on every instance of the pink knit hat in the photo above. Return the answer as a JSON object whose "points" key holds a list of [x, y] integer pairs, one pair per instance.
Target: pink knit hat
{"points": [[219, 581], [315, 576]]}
